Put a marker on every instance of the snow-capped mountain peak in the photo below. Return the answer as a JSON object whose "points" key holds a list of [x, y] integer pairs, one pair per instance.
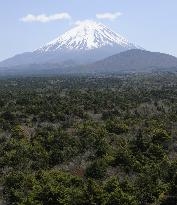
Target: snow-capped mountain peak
{"points": [[86, 42], [87, 35]]}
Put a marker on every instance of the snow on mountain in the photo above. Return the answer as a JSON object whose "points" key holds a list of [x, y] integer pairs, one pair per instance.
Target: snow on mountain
{"points": [[88, 35]]}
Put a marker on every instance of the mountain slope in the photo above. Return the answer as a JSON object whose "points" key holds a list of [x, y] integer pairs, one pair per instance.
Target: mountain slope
{"points": [[87, 42], [134, 60]]}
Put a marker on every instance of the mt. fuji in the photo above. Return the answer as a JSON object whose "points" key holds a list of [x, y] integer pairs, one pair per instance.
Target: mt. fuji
{"points": [[87, 42], [87, 35]]}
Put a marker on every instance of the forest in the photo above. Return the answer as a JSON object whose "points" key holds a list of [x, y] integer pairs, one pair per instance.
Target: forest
{"points": [[89, 140]]}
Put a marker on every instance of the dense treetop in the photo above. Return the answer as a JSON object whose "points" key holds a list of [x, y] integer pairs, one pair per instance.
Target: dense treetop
{"points": [[89, 140]]}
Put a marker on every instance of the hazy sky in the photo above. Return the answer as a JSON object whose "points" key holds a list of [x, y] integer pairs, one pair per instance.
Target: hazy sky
{"points": [[28, 24]]}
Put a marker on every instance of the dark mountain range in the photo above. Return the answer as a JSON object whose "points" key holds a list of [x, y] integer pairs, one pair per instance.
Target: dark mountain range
{"points": [[134, 61], [129, 61]]}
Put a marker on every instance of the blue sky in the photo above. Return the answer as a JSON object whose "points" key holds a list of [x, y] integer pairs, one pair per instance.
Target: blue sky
{"points": [[151, 24]]}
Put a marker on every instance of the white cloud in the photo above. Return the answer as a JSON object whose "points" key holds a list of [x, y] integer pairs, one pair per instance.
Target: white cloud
{"points": [[44, 18], [109, 16]]}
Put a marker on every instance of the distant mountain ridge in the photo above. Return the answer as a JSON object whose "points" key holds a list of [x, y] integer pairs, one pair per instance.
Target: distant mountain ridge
{"points": [[87, 42], [129, 61], [134, 60]]}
